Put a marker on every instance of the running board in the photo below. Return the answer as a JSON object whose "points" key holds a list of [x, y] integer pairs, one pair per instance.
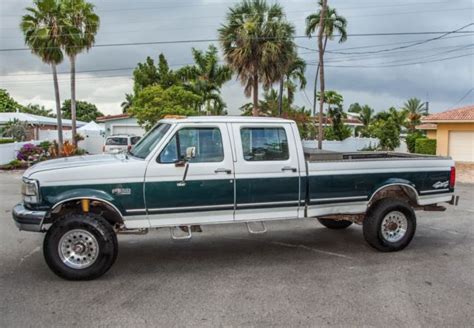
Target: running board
{"points": [[256, 232]]}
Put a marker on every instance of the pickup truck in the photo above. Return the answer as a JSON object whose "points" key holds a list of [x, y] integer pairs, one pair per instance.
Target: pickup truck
{"points": [[189, 172]]}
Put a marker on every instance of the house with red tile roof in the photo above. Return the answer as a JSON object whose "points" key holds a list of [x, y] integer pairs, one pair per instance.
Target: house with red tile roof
{"points": [[453, 131]]}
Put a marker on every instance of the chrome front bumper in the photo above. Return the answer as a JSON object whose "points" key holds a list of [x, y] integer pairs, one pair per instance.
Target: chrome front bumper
{"points": [[28, 220]]}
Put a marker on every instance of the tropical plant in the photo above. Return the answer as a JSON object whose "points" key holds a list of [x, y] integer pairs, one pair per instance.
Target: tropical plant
{"points": [[127, 103], [7, 103], [147, 74], [36, 109], [425, 146], [366, 115], [327, 21], [338, 130], [83, 25], [388, 133], [43, 27], [154, 102], [415, 110], [85, 111], [31, 153], [205, 78], [15, 129], [258, 45], [294, 78], [411, 139]]}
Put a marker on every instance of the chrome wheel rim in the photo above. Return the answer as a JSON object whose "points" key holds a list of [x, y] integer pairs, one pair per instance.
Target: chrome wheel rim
{"points": [[78, 249], [394, 226]]}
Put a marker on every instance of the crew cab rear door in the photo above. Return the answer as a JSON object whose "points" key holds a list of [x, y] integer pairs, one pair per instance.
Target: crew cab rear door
{"points": [[267, 172], [207, 193]]}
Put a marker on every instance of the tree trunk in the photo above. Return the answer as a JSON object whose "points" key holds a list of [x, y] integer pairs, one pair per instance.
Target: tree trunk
{"points": [[316, 78], [280, 98], [73, 99], [58, 108], [255, 111], [321, 73]]}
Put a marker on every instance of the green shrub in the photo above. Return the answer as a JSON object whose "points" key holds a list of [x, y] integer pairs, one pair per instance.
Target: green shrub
{"points": [[45, 145], [411, 139], [6, 140], [15, 164], [425, 146]]}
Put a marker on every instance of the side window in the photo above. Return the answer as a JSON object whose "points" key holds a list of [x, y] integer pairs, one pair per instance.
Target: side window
{"points": [[208, 143], [264, 144]]}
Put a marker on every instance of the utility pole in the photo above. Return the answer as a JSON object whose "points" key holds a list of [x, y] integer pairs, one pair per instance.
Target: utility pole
{"points": [[321, 72]]}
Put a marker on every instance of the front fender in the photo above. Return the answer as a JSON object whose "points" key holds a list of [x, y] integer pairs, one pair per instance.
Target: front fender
{"points": [[83, 193]]}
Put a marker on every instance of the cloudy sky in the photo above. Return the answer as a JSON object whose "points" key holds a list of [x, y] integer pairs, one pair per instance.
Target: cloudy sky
{"points": [[361, 69]]}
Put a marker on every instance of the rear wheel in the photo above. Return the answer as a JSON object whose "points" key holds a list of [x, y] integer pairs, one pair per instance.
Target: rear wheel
{"points": [[390, 225], [335, 224], [80, 247]]}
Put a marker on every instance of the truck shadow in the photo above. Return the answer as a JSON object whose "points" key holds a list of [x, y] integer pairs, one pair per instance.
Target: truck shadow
{"points": [[232, 249]]}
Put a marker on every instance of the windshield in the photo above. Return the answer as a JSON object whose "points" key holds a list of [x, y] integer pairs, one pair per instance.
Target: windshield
{"points": [[149, 141]]}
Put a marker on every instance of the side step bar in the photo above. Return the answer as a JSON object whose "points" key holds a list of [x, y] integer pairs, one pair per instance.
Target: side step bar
{"points": [[256, 232]]}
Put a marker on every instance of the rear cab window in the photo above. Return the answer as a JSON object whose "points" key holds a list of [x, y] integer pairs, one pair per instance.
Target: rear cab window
{"points": [[264, 144], [116, 141], [134, 140]]}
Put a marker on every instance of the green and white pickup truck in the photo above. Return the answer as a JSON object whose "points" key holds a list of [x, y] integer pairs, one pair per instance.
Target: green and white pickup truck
{"points": [[190, 172]]}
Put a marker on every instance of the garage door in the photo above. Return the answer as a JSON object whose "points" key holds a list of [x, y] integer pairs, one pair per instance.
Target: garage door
{"points": [[128, 129], [461, 145]]}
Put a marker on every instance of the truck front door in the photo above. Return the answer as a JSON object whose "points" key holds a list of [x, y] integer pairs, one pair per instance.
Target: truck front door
{"points": [[267, 171], [207, 194]]}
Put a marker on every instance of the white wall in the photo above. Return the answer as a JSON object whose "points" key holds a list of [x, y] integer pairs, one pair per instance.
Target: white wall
{"points": [[92, 143], [9, 151], [348, 145]]}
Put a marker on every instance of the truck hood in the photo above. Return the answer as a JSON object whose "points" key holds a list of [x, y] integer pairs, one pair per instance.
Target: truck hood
{"points": [[75, 161]]}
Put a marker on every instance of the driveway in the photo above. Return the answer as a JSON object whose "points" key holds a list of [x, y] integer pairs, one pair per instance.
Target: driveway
{"points": [[298, 274]]}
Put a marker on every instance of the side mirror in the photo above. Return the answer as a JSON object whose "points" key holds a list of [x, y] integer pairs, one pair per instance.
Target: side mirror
{"points": [[190, 153]]}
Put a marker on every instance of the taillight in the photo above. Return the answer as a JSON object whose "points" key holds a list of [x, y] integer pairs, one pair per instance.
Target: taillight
{"points": [[129, 147], [452, 177], [103, 149]]}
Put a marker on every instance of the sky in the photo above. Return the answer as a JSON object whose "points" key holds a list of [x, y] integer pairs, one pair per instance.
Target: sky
{"points": [[364, 69]]}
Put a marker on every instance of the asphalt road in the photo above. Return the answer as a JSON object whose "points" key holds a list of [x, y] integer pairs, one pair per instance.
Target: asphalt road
{"points": [[298, 274]]}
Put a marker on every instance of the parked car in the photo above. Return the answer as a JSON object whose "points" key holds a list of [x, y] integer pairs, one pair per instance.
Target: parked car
{"points": [[119, 143], [191, 172]]}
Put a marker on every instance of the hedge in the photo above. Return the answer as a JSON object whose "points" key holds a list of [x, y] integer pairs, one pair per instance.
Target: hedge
{"points": [[6, 141], [425, 146]]}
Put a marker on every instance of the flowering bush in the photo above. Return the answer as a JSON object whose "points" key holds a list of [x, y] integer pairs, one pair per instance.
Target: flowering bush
{"points": [[31, 153]]}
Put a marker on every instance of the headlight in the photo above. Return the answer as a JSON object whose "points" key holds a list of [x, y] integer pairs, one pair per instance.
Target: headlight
{"points": [[29, 190]]}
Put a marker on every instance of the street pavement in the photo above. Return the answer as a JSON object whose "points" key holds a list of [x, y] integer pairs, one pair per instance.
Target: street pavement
{"points": [[299, 274]]}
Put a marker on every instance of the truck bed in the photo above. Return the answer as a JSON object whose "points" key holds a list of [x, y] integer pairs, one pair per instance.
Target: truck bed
{"points": [[317, 155]]}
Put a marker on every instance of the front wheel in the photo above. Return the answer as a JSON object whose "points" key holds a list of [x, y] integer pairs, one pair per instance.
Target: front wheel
{"points": [[390, 225], [80, 247]]}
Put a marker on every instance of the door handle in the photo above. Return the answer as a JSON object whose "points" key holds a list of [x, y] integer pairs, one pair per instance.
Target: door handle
{"points": [[222, 170], [289, 168]]}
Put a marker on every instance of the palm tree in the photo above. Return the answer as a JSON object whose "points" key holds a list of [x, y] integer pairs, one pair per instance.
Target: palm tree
{"points": [[295, 78], [258, 45], [83, 26], [399, 117], [127, 103], [206, 77], [330, 21], [366, 116], [43, 27], [415, 109]]}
